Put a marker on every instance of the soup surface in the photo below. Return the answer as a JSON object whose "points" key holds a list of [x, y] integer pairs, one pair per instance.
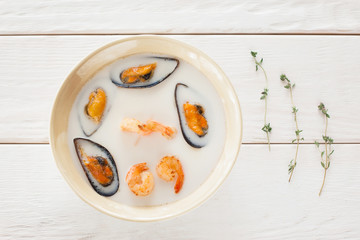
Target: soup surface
{"points": [[155, 103]]}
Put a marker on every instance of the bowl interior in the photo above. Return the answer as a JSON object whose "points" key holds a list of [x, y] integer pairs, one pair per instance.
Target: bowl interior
{"points": [[106, 55]]}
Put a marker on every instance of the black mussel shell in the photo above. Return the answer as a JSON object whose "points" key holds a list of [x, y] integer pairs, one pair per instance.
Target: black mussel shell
{"points": [[102, 155], [182, 95], [165, 67]]}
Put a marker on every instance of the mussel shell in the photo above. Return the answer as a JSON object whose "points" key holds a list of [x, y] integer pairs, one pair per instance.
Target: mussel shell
{"points": [[96, 150], [88, 125], [165, 67], [182, 95]]}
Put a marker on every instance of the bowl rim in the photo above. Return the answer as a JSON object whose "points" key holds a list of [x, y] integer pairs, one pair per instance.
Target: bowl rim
{"points": [[237, 113]]}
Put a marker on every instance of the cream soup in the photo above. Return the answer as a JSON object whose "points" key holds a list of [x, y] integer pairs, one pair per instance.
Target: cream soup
{"points": [[156, 103]]}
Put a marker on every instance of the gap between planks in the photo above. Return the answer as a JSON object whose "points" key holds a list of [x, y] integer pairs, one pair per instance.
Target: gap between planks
{"points": [[175, 34], [275, 143]]}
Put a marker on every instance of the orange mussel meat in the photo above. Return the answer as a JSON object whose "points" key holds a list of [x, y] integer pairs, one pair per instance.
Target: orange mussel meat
{"points": [[96, 106], [194, 115], [138, 74], [100, 170]]}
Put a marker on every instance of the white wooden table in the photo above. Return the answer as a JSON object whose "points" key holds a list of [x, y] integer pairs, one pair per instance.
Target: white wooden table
{"points": [[316, 43]]}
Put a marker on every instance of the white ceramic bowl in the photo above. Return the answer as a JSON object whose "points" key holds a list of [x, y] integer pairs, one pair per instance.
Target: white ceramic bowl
{"points": [[86, 69]]}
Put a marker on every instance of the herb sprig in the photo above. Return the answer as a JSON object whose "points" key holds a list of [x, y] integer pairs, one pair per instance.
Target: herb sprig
{"points": [[264, 94], [290, 86], [328, 141]]}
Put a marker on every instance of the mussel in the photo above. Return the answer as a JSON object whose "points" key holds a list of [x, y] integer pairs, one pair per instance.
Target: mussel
{"points": [[92, 109], [148, 74], [98, 165], [191, 112]]}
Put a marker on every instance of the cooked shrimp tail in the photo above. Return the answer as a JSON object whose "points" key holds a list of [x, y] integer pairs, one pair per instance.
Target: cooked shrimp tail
{"points": [[165, 131], [179, 181], [170, 168]]}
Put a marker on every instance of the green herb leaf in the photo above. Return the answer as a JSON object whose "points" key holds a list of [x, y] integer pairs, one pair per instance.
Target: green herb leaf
{"points": [[266, 128], [328, 139], [291, 166], [253, 54], [283, 78], [264, 94], [321, 106]]}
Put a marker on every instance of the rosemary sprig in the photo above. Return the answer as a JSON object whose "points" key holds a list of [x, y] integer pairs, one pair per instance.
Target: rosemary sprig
{"points": [[290, 86], [264, 94], [328, 141]]}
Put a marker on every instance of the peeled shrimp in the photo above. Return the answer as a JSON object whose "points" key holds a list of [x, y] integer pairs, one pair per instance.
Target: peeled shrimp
{"points": [[170, 168], [134, 125], [139, 180]]}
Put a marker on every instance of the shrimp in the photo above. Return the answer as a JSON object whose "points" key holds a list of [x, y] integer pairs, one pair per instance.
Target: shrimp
{"points": [[139, 180], [134, 125], [170, 168]]}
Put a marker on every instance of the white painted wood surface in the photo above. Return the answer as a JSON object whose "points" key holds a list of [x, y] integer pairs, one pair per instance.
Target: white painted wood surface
{"points": [[256, 201], [179, 16], [324, 68]]}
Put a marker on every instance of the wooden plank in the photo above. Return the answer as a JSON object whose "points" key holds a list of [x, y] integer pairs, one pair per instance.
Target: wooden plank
{"points": [[324, 68], [255, 202], [159, 16]]}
